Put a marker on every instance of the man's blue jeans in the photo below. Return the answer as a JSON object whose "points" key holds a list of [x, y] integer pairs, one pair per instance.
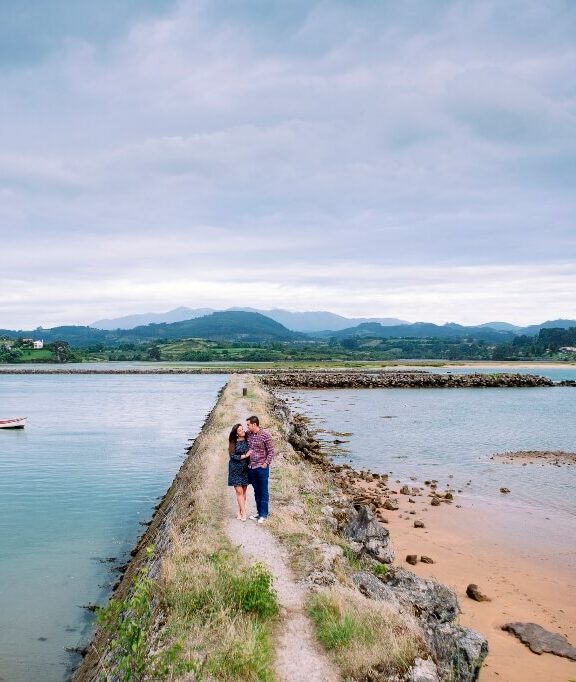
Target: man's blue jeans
{"points": [[259, 480]]}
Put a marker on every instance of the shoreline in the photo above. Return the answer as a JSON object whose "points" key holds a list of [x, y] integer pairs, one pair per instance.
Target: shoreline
{"points": [[528, 572], [468, 546]]}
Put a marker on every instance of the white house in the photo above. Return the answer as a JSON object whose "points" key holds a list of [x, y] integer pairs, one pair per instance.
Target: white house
{"points": [[38, 345]]}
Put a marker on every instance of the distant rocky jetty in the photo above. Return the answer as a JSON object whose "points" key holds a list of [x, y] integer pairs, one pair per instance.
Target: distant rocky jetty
{"points": [[321, 379]]}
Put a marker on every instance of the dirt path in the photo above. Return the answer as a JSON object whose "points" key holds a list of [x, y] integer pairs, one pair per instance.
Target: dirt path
{"points": [[298, 658]]}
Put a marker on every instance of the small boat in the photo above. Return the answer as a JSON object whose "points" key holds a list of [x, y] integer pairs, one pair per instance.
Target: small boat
{"points": [[17, 423]]}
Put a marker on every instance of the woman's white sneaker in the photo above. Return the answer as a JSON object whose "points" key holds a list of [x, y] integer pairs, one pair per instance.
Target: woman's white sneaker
{"points": [[254, 517]]}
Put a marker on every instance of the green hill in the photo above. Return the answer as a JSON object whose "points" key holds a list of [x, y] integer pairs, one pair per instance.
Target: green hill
{"points": [[222, 326]]}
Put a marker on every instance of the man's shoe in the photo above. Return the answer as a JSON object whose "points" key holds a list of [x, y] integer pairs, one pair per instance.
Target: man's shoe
{"points": [[254, 517], [262, 519]]}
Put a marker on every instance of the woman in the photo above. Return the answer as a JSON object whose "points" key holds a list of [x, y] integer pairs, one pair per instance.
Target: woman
{"points": [[238, 467]]}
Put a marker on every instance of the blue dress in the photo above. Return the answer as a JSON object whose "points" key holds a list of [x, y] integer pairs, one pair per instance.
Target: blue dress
{"points": [[238, 468]]}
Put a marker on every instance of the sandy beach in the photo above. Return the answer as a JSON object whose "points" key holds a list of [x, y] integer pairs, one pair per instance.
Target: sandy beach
{"points": [[527, 570]]}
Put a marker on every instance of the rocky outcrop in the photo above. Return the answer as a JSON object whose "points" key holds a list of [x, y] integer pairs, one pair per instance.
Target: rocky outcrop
{"points": [[371, 536], [387, 379], [458, 651], [539, 640]]}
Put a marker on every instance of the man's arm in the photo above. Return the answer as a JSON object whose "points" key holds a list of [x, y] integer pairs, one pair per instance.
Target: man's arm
{"points": [[269, 447]]}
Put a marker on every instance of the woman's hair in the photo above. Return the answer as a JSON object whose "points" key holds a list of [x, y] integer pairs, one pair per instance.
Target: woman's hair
{"points": [[233, 437]]}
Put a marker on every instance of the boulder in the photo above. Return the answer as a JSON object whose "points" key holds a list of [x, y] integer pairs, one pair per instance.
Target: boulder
{"points": [[412, 559], [371, 534], [419, 524], [473, 592], [459, 651], [430, 601], [391, 504], [539, 640], [426, 559]]}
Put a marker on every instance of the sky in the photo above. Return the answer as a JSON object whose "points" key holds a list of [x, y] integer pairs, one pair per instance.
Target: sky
{"points": [[409, 159]]}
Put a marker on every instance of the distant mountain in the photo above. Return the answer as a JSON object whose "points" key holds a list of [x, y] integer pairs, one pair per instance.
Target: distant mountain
{"points": [[420, 330], [533, 329], [131, 321], [500, 326], [312, 321]]}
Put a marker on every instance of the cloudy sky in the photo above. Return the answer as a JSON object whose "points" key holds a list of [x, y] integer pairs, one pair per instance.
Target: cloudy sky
{"points": [[412, 159]]}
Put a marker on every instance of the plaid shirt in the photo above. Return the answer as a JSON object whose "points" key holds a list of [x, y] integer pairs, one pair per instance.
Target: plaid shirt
{"points": [[261, 448]]}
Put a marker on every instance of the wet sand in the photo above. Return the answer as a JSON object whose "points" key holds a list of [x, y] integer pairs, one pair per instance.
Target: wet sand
{"points": [[523, 561]]}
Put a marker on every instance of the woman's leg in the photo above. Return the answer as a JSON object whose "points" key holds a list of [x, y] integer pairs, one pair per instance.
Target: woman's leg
{"points": [[244, 490], [243, 503], [240, 501]]}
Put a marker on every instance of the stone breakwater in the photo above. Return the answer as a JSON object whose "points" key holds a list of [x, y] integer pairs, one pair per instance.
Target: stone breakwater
{"points": [[401, 380], [356, 513]]}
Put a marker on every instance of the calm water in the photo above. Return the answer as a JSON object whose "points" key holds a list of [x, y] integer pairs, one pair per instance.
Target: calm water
{"points": [[444, 433], [97, 453]]}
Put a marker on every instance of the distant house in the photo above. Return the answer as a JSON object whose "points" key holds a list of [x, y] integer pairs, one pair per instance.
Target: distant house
{"points": [[27, 340], [568, 349], [38, 345]]}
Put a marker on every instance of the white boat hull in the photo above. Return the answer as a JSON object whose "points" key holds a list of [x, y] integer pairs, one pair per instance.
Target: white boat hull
{"points": [[18, 423]]}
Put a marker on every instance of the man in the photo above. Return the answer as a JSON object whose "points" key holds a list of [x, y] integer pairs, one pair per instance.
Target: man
{"points": [[261, 455]]}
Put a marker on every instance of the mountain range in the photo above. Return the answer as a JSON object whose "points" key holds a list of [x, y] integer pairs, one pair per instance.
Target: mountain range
{"points": [[254, 327], [315, 321]]}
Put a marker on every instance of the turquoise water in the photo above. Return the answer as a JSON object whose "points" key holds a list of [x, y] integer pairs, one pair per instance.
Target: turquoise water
{"points": [[450, 434], [96, 455]]}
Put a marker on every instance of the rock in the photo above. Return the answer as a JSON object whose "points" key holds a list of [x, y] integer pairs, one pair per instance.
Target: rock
{"points": [[435, 502], [419, 524], [448, 496], [374, 538], [504, 490], [412, 559], [473, 592], [426, 559], [428, 600], [459, 651], [539, 640], [391, 504], [423, 671], [404, 490], [371, 587]]}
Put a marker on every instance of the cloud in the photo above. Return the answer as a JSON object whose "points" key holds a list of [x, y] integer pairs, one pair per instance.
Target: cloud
{"points": [[159, 141]]}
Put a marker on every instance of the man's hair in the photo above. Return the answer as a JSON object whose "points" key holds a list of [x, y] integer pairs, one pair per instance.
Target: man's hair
{"points": [[253, 420]]}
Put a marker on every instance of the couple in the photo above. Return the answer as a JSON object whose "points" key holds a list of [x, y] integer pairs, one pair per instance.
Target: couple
{"points": [[251, 453]]}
